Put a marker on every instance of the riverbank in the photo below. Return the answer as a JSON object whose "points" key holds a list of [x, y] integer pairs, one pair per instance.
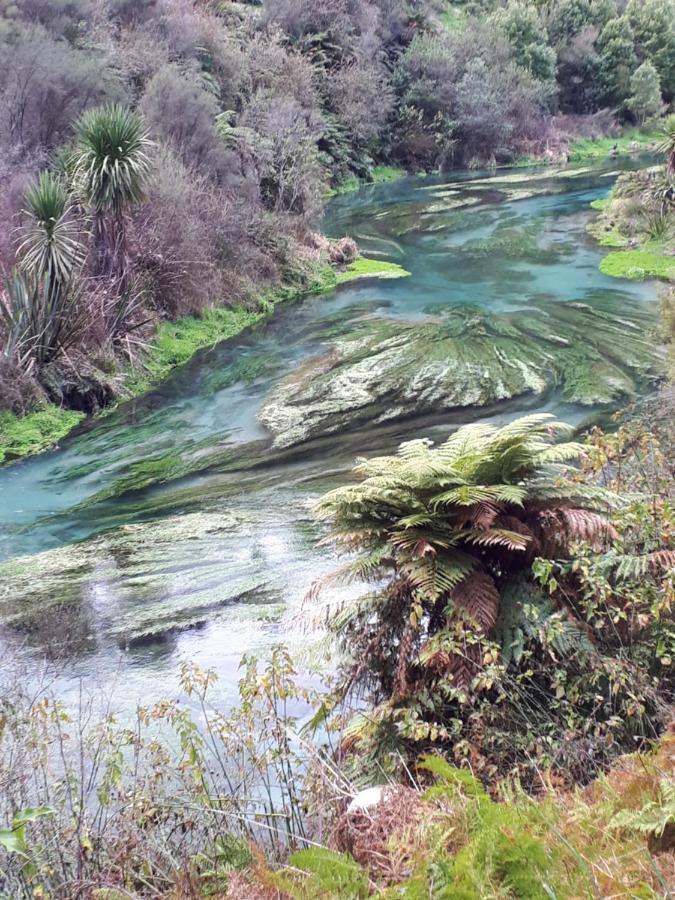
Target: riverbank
{"points": [[637, 228], [173, 345]]}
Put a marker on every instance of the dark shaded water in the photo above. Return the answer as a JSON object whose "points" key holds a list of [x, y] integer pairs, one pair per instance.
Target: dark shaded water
{"points": [[172, 529]]}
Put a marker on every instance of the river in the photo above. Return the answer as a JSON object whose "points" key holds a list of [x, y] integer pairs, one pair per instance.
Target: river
{"points": [[180, 526]]}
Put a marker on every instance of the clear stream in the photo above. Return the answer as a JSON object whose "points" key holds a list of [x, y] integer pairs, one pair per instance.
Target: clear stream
{"points": [[172, 528]]}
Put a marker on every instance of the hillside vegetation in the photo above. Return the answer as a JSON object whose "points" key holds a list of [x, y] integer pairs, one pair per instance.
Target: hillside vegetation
{"points": [[227, 122]]}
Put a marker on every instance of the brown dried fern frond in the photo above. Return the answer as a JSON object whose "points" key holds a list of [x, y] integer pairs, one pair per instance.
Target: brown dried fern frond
{"points": [[477, 594]]}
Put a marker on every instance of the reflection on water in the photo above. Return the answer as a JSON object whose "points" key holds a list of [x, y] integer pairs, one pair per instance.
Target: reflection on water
{"points": [[189, 518]]}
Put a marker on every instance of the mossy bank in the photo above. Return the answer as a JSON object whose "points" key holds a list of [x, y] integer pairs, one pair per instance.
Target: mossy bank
{"points": [[174, 344], [638, 228]]}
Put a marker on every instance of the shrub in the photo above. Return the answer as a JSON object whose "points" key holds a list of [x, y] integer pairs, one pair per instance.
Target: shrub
{"points": [[188, 247], [457, 641], [181, 113], [363, 99], [286, 150], [645, 100], [45, 84]]}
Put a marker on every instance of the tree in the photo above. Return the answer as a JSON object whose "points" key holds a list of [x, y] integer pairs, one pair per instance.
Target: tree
{"points": [[653, 23], [528, 38], [112, 166], [645, 101], [616, 51], [577, 73], [51, 244], [443, 533], [566, 18]]}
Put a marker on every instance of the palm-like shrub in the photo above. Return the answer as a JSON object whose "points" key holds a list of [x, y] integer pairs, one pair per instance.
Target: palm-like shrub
{"points": [[37, 319], [112, 167], [50, 243], [39, 306]]}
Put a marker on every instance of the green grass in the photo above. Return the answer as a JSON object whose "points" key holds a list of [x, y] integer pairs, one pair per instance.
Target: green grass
{"points": [[600, 204], [585, 149], [648, 261], [175, 343], [370, 268], [379, 175], [36, 431], [614, 239], [386, 173]]}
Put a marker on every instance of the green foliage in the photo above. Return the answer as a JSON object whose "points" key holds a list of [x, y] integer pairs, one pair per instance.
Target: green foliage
{"points": [[654, 817], [526, 32], [328, 874], [645, 100], [631, 140], [41, 316], [50, 246], [364, 267], [182, 781], [36, 431], [667, 144], [616, 51], [653, 23], [15, 840], [112, 158], [448, 536]]}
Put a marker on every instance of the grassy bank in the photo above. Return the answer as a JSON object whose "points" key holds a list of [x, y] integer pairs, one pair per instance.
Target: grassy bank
{"points": [[37, 431], [650, 260], [632, 140], [637, 227], [173, 345], [379, 175]]}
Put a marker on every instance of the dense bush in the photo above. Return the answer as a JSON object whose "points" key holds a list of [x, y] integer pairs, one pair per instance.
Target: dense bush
{"points": [[518, 615], [45, 84], [181, 112]]}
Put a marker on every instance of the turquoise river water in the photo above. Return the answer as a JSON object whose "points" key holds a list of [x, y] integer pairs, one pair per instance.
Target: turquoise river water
{"points": [[181, 526]]}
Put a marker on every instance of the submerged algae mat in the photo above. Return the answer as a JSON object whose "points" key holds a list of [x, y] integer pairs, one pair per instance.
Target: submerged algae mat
{"points": [[140, 583], [383, 369], [179, 525]]}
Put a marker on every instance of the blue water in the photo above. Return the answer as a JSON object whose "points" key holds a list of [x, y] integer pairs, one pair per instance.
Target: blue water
{"points": [[204, 418]]}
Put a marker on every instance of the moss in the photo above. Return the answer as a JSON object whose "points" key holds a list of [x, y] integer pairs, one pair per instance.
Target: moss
{"points": [[378, 175], [175, 343], [25, 435], [614, 238], [382, 370], [513, 243], [632, 140], [600, 203], [644, 262], [363, 267], [386, 173]]}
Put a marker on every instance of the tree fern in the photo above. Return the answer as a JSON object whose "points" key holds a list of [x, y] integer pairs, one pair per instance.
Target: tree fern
{"points": [[446, 529]]}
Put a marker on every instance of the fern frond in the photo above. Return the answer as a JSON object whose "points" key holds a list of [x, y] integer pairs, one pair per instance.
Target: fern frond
{"points": [[477, 594]]}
